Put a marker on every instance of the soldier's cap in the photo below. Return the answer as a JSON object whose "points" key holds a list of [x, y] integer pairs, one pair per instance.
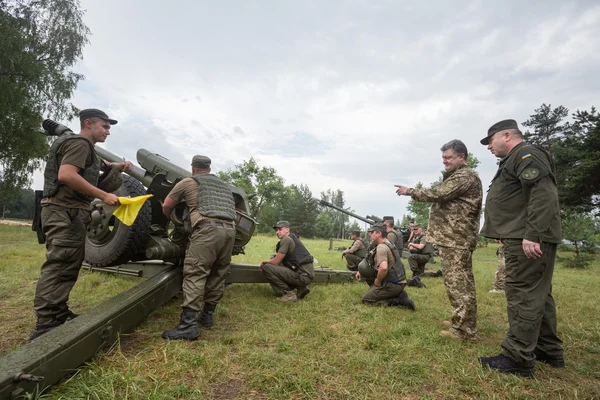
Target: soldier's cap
{"points": [[416, 226], [378, 227], [497, 127], [95, 113], [281, 224], [388, 218], [201, 162], [357, 233]]}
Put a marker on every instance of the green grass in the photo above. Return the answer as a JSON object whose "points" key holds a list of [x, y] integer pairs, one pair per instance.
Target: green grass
{"points": [[327, 346]]}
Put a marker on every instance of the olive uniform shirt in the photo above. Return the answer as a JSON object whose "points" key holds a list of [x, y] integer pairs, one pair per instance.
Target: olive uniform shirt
{"points": [[383, 253], [522, 201], [356, 248], [74, 152], [287, 245]]}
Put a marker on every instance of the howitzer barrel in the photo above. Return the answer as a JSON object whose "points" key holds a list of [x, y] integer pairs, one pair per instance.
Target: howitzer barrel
{"points": [[137, 172], [368, 219]]}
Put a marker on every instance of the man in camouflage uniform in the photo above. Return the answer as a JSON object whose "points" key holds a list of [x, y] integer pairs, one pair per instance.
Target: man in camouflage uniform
{"points": [[522, 211], [291, 267], [500, 276], [355, 253], [70, 183], [421, 252], [453, 227], [208, 256], [383, 271], [392, 234]]}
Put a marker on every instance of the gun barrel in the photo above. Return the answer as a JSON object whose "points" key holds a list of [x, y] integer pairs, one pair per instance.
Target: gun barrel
{"points": [[137, 172], [368, 219]]}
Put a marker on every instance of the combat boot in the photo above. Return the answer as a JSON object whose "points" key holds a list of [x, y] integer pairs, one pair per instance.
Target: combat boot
{"points": [[302, 292], [206, 316], [416, 282], [44, 327], [289, 296], [554, 362], [504, 364], [187, 329], [402, 301]]}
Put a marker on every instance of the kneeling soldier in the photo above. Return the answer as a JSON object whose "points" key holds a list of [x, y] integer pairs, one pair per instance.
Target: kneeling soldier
{"points": [[383, 271], [355, 253], [291, 268]]}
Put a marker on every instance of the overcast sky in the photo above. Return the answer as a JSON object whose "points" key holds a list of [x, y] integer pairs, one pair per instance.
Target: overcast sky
{"points": [[351, 95]]}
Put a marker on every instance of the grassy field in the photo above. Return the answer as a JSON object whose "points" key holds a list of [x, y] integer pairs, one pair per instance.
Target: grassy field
{"points": [[327, 346]]}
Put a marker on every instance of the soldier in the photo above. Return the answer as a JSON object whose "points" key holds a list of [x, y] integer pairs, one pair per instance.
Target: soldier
{"points": [[291, 268], [421, 252], [453, 227], [208, 256], [522, 211], [71, 178], [383, 271], [500, 276], [392, 234], [355, 253]]}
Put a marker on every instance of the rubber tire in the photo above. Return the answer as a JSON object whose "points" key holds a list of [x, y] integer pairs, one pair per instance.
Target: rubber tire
{"points": [[126, 242]]}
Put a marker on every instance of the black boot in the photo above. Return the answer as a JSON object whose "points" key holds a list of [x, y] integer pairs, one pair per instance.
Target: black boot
{"points": [[504, 364], [206, 316], [187, 329], [416, 282], [402, 301]]}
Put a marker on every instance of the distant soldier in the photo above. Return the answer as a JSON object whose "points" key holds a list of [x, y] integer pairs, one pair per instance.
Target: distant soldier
{"points": [[392, 234], [208, 257], [355, 253], [411, 224], [291, 268], [71, 182], [383, 271], [500, 276], [421, 252], [453, 227]]}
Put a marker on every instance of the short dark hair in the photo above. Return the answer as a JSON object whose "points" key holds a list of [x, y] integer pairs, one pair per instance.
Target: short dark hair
{"points": [[457, 146]]}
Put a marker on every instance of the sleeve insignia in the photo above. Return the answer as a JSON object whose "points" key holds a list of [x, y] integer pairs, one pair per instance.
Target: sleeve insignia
{"points": [[525, 155], [530, 173]]}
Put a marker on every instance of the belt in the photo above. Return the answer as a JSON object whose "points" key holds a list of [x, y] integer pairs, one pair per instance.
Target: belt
{"points": [[215, 223]]}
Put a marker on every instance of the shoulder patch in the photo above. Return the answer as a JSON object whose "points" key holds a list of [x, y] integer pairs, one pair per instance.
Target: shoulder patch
{"points": [[530, 173], [525, 155]]}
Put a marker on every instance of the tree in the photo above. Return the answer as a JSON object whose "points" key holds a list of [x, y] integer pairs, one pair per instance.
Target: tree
{"points": [[40, 41], [300, 210], [20, 206], [338, 219], [547, 125], [581, 230], [263, 184], [419, 209]]}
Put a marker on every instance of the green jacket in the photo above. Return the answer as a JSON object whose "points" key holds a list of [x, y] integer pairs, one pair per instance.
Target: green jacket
{"points": [[522, 202]]}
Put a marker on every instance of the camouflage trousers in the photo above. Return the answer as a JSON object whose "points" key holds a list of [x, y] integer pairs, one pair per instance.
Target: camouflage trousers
{"points": [[530, 305], [65, 230], [352, 261], [283, 279], [501, 271], [460, 287], [206, 265], [417, 263], [381, 295]]}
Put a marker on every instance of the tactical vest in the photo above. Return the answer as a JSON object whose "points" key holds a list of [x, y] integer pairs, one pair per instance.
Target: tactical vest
{"points": [[362, 253], [396, 272], [300, 255], [398, 242], [90, 174], [428, 249], [215, 199]]}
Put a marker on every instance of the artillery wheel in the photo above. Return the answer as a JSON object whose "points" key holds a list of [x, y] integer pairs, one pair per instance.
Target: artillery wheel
{"points": [[114, 243]]}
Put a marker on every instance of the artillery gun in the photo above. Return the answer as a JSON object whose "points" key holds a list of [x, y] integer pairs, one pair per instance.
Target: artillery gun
{"points": [[152, 247]]}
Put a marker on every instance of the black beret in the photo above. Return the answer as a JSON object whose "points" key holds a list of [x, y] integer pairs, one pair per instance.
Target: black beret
{"points": [[497, 127], [95, 113]]}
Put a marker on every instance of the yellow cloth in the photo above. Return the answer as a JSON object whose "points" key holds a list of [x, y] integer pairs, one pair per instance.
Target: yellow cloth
{"points": [[129, 208]]}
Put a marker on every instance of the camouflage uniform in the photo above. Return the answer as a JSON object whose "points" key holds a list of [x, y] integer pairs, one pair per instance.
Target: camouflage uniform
{"points": [[453, 227], [501, 271]]}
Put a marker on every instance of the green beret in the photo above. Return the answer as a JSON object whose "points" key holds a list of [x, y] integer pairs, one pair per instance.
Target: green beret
{"points": [[497, 127], [281, 224]]}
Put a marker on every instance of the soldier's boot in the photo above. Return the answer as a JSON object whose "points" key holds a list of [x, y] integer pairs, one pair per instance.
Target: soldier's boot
{"points": [[288, 296], [554, 362], [187, 329], [504, 364], [206, 316], [402, 301], [302, 292], [416, 282], [45, 326]]}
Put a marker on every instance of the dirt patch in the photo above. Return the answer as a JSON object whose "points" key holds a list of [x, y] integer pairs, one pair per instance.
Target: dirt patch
{"points": [[228, 391], [12, 222]]}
